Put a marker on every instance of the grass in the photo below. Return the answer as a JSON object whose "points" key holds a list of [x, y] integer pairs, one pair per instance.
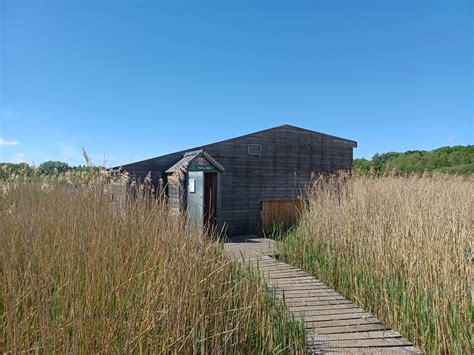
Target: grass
{"points": [[84, 271], [398, 246]]}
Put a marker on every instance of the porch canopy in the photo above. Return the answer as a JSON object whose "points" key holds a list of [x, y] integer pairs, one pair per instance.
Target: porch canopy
{"points": [[197, 160]]}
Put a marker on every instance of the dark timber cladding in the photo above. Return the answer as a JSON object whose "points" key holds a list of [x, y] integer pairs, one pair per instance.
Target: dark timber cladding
{"points": [[271, 165]]}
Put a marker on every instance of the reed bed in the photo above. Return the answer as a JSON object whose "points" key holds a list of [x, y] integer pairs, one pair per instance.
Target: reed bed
{"points": [[400, 247], [82, 272]]}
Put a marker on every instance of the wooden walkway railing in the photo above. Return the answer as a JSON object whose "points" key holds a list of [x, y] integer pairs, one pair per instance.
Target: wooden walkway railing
{"points": [[332, 322]]}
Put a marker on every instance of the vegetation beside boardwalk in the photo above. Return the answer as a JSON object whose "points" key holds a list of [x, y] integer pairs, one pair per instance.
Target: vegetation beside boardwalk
{"points": [[400, 247], [83, 273]]}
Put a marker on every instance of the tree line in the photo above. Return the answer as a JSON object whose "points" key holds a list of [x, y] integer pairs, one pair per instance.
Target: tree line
{"points": [[450, 160], [49, 167], [457, 159]]}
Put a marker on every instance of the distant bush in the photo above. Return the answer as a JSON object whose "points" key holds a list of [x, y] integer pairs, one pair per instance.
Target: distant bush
{"points": [[53, 167]]}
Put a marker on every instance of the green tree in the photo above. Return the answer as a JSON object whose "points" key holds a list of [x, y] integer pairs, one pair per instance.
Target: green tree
{"points": [[362, 166], [379, 161], [53, 167], [457, 159], [7, 169]]}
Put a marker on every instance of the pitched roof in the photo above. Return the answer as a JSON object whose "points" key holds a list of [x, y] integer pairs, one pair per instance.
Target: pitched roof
{"points": [[348, 141], [189, 156], [353, 143]]}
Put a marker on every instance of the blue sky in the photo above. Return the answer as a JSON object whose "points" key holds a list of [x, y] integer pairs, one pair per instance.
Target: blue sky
{"points": [[132, 80]]}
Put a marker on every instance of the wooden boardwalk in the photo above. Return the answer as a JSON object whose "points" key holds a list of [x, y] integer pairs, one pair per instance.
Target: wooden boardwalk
{"points": [[332, 323]]}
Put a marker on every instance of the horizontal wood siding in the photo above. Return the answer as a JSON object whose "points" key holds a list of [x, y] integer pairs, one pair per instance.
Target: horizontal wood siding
{"points": [[281, 172]]}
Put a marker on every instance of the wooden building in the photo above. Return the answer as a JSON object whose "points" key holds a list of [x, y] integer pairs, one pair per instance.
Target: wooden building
{"points": [[229, 183]]}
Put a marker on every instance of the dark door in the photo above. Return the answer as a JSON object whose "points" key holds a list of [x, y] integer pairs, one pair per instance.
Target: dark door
{"points": [[210, 200]]}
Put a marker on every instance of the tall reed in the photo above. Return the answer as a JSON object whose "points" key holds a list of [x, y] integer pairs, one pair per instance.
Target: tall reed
{"points": [[398, 246], [81, 273]]}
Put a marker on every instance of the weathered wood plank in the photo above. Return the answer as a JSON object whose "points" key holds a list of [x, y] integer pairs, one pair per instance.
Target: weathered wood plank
{"points": [[354, 323], [348, 329], [276, 267], [323, 294], [361, 343], [330, 317], [289, 291], [287, 280], [271, 276], [324, 307], [373, 350], [292, 280], [314, 297], [308, 303], [298, 288], [310, 312], [377, 334]]}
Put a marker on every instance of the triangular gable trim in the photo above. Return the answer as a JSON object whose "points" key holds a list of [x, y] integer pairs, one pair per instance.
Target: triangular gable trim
{"points": [[183, 163]]}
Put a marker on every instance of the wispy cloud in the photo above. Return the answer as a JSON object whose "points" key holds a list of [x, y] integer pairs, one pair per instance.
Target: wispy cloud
{"points": [[69, 151], [17, 158], [451, 138], [4, 142], [18, 116]]}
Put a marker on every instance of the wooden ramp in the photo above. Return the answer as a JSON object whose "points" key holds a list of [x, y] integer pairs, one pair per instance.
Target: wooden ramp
{"points": [[332, 322]]}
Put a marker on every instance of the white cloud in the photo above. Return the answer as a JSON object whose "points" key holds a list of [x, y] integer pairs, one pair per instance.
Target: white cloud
{"points": [[451, 138], [5, 142]]}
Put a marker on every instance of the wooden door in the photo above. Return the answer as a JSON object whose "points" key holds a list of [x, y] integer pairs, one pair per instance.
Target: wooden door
{"points": [[283, 213], [210, 199]]}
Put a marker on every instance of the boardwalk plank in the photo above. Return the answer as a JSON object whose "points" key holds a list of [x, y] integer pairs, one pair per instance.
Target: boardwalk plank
{"points": [[354, 323], [279, 271], [377, 334], [373, 350], [361, 343], [343, 316], [313, 302], [291, 280], [287, 276], [318, 307], [313, 297], [301, 288], [289, 291], [348, 329], [310, 312]]}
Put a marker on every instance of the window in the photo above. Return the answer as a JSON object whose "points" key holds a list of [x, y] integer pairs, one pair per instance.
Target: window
{"points": [[254, 149]]}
